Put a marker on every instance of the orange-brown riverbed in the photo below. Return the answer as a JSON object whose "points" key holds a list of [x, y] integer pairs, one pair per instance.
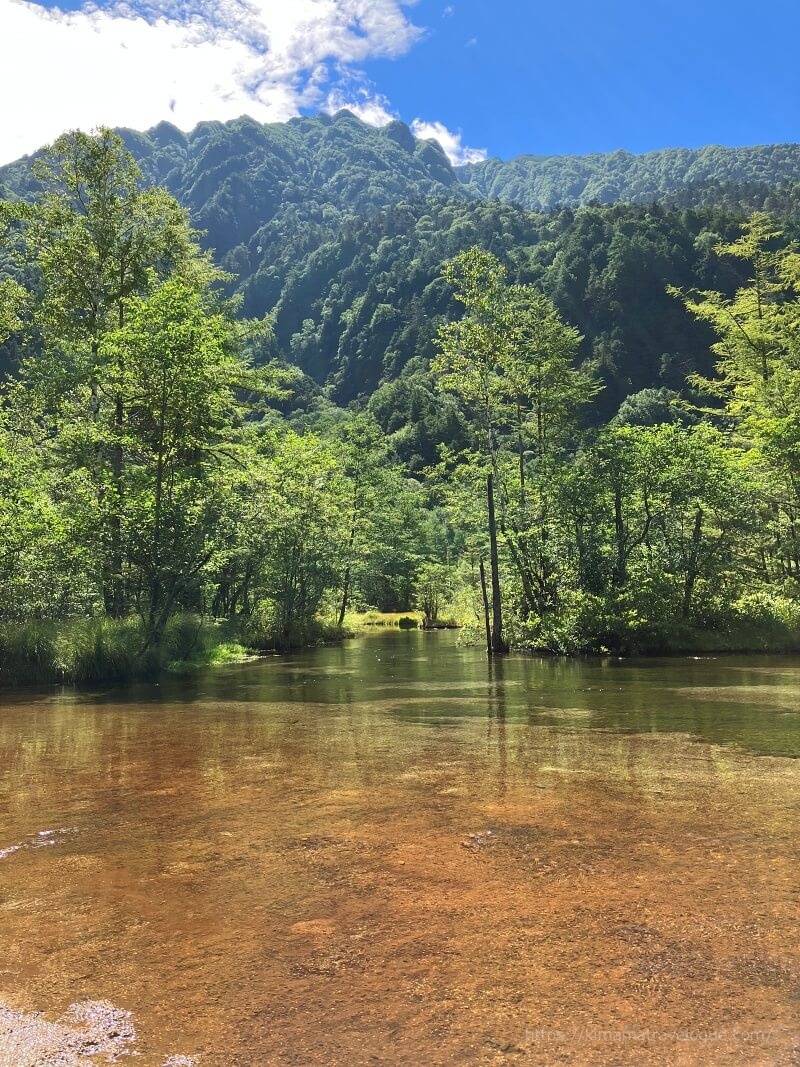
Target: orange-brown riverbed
{"points": [[389, 854]]}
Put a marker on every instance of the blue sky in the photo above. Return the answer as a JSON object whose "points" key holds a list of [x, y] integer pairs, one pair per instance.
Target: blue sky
{"points": [[581, 76], [496, 77]]}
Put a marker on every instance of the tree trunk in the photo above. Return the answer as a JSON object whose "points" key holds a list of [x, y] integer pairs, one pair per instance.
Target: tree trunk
{"points": [[487, 624], [691, 568], [117, 460], [621, 568], [499, 647], [347, 575], [345, 597]]}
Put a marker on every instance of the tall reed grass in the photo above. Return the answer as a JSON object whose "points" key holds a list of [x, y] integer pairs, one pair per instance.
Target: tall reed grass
{"points": [[106, 650]]}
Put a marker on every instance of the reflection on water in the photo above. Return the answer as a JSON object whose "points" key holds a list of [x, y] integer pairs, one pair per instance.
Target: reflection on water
{"points": [[395, 852], [750, 702]]}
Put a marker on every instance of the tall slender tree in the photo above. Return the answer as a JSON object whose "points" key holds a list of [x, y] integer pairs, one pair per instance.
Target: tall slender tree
{"points": [[510, 361]]}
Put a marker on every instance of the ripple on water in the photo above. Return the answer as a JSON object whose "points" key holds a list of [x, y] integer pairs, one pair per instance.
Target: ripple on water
{"points": [[40, 839]]}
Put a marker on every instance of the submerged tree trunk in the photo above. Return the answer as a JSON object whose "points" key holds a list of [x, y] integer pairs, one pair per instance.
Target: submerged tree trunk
{"points": [[487, 624], [498, 645]]}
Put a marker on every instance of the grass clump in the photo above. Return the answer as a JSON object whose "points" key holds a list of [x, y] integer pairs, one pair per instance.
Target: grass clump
{"points": [[405, 620], [90, 650], [41, 652]]}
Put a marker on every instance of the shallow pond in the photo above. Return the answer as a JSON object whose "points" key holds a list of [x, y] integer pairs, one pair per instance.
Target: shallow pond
{"points": [[394, 853]]}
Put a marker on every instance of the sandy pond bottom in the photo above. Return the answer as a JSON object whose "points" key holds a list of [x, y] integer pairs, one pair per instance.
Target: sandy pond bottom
{"points": [[388, 855]]}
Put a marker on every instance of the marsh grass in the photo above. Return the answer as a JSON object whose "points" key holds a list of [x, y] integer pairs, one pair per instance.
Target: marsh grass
{"points": [[404, 620], [79, 650], [107, 650]]}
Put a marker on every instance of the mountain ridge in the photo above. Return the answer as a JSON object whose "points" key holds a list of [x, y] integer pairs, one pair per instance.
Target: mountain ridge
{"points": [[535, 181], [545, 182], [341, 229]]}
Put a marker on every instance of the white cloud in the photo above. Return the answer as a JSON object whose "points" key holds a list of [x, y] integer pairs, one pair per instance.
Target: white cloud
{"points": [[134, 65], [370, 107], [455, 151]]}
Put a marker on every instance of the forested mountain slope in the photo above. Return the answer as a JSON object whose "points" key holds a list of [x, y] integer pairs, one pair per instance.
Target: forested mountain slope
{"points": [[342, 229], [544, 182], [248, 184], [357, 310]]}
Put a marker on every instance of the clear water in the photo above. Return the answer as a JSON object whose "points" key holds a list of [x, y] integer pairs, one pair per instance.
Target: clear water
{"points": [[393, 852]]}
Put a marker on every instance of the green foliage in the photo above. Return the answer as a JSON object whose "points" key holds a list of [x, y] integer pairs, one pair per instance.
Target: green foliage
{"points": [[95, 237], [433, 591], [758, 375], [510, 361], [605, 269], [507, 373], [12, 300], [659, 532], [137, 477], [649, 407], [44, 547], [319, 524], [176, 376]]}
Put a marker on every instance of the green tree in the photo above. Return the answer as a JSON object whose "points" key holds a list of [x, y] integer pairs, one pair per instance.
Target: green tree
{"points": [[661, 513], [433, 590], [365, 460], [12, 299], [97, 240], [510, 361], [758, 372], [303, 497], [177, 370], [469, 363]]}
